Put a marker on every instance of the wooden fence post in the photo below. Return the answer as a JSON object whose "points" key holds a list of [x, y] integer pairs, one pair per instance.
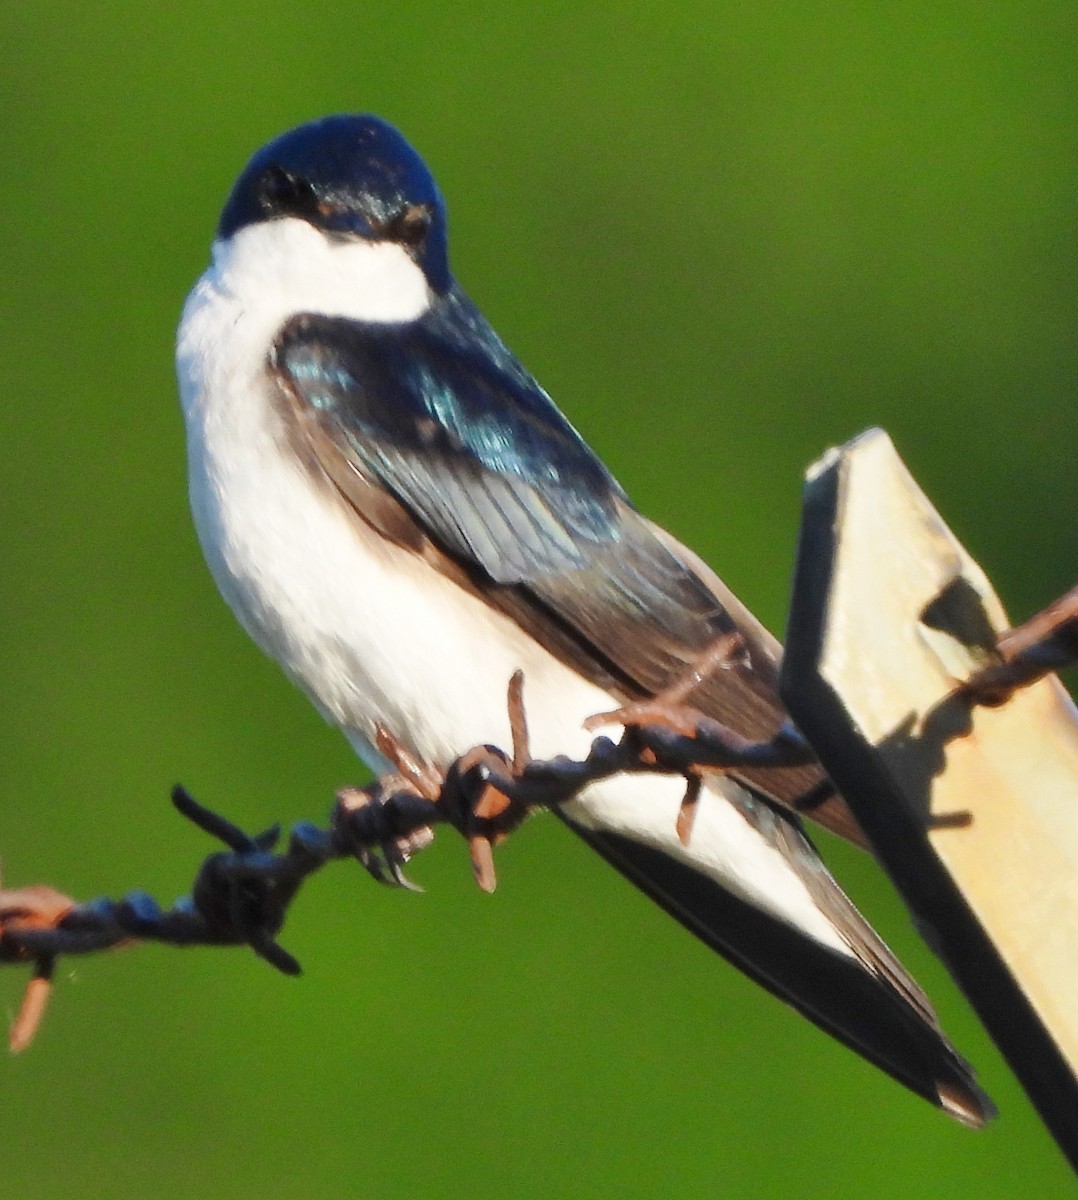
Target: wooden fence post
{"points": [[973, 811]]}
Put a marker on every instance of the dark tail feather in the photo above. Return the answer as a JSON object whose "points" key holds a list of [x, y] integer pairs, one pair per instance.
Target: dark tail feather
{"points": [[837, 993]]}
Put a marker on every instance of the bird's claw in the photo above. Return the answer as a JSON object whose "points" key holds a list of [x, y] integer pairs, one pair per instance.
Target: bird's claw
{"points": [[368, 820], [383, 863]]}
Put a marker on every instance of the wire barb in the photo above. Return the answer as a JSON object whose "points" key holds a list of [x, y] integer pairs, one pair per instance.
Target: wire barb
{"points": [[1043, 645]]}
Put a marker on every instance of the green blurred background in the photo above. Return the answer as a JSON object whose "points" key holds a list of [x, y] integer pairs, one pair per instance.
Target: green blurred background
{"points": [[724, 236]]}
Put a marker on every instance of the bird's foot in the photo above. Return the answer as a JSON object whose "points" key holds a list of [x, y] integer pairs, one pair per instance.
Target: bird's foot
{"points": [[381, 827]]}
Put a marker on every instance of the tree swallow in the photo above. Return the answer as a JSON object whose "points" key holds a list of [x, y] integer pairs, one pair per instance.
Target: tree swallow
{"points": [[399, 514]]}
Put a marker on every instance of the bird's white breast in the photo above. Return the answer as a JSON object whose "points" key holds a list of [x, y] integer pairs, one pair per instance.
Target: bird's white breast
{"points": [[369, 630]]}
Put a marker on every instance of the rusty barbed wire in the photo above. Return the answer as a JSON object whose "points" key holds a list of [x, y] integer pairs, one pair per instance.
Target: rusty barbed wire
{"points": [[241, 895]]}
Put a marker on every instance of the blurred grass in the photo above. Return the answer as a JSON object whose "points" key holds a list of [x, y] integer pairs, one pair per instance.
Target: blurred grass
{"points": [[723, 237]]}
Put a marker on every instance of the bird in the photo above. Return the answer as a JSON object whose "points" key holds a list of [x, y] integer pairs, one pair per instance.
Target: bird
{"points": [[399, 514]]}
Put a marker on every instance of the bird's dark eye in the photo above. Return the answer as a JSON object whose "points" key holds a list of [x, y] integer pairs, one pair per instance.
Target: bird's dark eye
{"points": [[409, 226], [280, 192]]}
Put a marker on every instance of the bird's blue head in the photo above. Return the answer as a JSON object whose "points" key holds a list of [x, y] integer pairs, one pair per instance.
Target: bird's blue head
{"points": [[349, 176]]}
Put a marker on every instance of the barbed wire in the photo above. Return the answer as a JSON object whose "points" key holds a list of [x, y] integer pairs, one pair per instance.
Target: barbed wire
{"points": [[241, 895]]}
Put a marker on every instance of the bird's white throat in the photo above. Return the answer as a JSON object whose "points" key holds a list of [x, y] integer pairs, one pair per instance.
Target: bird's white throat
{"points": [[290, 262]]}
